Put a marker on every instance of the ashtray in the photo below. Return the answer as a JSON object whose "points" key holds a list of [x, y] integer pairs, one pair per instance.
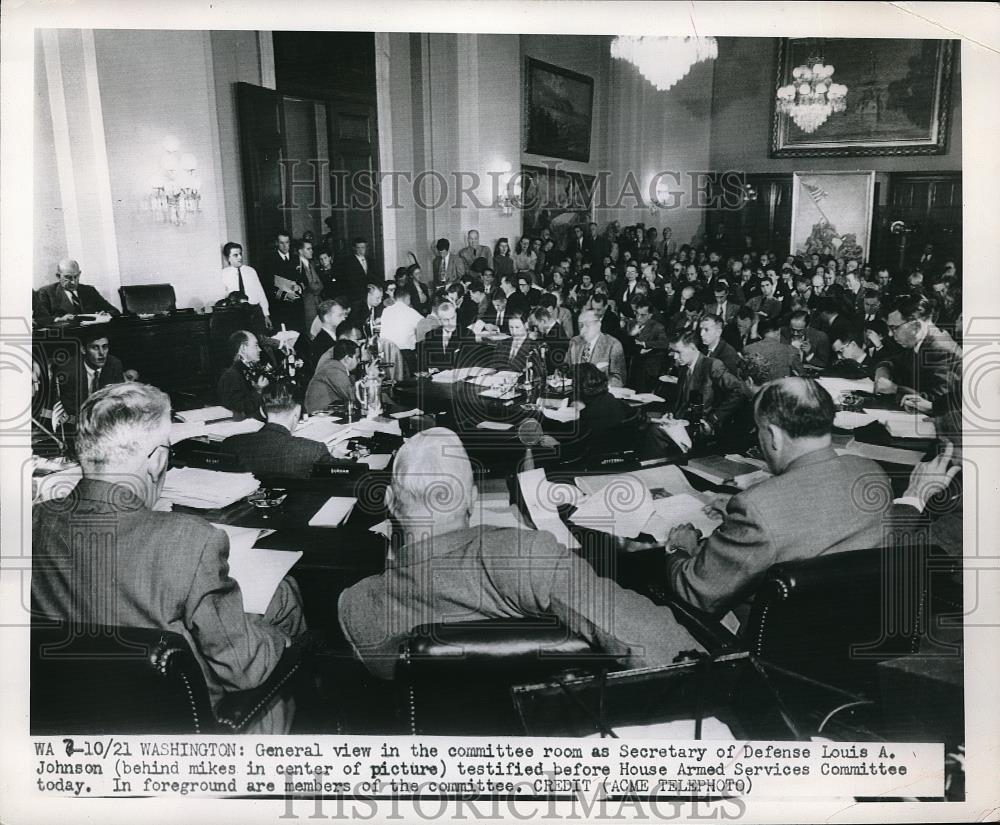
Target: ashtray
{"points": [[267, 499]]}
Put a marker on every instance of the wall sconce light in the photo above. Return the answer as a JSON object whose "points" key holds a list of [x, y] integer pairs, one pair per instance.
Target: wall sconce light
{"points": [[176, 192], [509, 189]]}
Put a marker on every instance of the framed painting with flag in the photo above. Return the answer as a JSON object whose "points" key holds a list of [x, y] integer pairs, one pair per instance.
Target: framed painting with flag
{"points": [[832, 214]]}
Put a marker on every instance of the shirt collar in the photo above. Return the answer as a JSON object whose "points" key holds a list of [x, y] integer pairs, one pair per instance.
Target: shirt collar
{"points": [[921, 336]]}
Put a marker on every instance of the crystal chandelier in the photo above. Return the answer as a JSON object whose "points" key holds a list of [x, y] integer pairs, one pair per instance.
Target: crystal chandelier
{"points": [[812, 96], [664, 60]]}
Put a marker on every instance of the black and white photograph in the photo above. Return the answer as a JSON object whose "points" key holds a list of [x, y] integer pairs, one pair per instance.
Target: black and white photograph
{"points": [[547, 408]]}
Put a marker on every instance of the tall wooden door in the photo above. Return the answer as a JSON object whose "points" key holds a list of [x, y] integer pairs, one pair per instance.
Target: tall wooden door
{"points": [[306, 160], [930, 207]]}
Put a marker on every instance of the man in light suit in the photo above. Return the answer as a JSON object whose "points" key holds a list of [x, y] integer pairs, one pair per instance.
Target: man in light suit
{"points": [[446, 267], [332, 382], [67, 297], [464, 573], [102, 557], [592, 346], [273, 450], [817, 502], [473, 250]]}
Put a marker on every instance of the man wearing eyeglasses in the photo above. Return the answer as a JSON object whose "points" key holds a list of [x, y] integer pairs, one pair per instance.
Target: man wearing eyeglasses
{"points": [[928, 370], [67, 297], [102, 557]]}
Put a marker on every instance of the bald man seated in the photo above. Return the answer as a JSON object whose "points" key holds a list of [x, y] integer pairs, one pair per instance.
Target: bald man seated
{"points": [[67, 297], [817, 502], [446, 571]]}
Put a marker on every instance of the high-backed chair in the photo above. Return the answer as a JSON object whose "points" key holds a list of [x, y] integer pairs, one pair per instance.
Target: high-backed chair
{"points": [[836, 616], [457, 677], [143, 299], [137, 681]]}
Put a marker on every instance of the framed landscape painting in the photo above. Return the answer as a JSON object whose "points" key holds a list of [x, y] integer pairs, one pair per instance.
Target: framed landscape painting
{"points": [[897, 97], [558, 111], [555, 200]]}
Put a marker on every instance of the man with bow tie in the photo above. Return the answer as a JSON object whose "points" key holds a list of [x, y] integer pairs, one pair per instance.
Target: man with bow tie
{"points": [[67, 297]]}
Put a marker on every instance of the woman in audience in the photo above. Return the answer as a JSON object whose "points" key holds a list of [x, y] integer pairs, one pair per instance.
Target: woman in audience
{"points": [[421, 295], [553, 302], [536, 249], [503, 263], [240, 385], [525, 257]]}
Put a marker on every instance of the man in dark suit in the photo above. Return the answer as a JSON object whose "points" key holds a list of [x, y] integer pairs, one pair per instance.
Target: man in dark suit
{"points": [[355, 272], [95, 369], [926, 375], [712, 344], [810, 342], [851, 358], [151, 569], [331, 314], [67, 297], [468, 309], [278, 262], [649, 345], [743, 330], [440, 347], [706, 381], [549, 333], [813, 505], [273, 450]]}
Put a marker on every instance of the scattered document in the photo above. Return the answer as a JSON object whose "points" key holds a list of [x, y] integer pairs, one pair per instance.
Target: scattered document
{"points": [[186, 429], [746, 480], [258, 573], [407, 413], [542, 505], [890, 455], [205, 414], [334, 513], [647, 398], [847, 420], [621, 392], [562, 414], [666, 480], [221, 430], [622, 507], [383, 528], [376, 461], [206, 489], [676, 429], [668, 379], [494, 425], [902, 424], [322, 428], [836, 386], [369, 426], [682, 509]]}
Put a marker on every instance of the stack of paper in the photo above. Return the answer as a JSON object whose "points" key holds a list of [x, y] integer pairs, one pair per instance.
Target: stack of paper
{"points": [[206, 489], [902, 424], [186, 429], [681, 509], [492, 378], [205, 414], [647, 398], [257, 571], [663, 481], [323, 428], [836, 386], [623, 507], [444, 377], [334, 513], [542, 499], [719, 469], [221, 430]]}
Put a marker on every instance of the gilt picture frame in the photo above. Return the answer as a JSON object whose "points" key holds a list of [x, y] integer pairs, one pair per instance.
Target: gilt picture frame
{"points": [[897, 97], [558, 111]]}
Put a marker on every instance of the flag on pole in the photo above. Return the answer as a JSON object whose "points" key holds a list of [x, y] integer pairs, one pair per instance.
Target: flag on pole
{"points": [[816, 192]]}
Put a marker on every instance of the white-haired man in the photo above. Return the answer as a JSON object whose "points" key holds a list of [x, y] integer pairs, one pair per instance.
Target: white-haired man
{"points": [[446, 571], [161, 569], [592, 346]]}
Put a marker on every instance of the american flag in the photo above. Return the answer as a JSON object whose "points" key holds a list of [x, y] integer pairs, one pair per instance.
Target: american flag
{"points": [[816, 192]]}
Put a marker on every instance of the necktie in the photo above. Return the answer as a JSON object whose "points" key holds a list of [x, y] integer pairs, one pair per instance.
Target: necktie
{"points": [[239, 274], [587, 352], [364, 264], [445, 335], [74, 298], [499, 320], [95, 380]]}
